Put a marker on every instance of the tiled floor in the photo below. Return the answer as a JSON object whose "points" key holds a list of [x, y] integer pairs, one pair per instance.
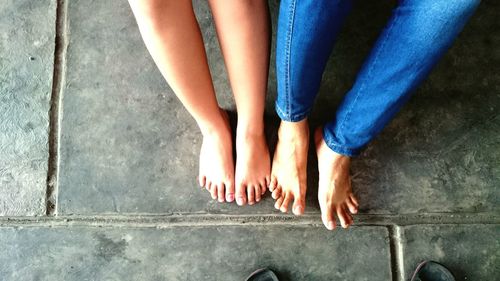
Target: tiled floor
{"points": [[98, 132]]}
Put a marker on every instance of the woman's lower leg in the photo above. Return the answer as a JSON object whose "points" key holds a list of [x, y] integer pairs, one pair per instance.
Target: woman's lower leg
{"points": [[172, 36], [243, 29]]}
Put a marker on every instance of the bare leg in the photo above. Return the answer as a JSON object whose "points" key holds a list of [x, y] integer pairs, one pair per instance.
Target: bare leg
{"points": [[334, 187], [289, 172], [244, 36], [172, 36], [390, 74]]}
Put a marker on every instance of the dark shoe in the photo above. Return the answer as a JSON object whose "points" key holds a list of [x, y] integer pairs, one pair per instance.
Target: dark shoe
{"points": [[263, 274], [432, 271]]}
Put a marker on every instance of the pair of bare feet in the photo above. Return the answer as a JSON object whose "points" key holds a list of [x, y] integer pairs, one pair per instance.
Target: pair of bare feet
{"points": [[289, 175], [287, 180], [245, 184]]}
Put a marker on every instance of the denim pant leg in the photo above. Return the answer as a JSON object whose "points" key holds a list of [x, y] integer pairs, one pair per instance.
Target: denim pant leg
{"points": [[417, 35], [306, 32]]}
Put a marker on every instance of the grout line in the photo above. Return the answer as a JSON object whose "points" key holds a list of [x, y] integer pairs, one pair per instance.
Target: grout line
{"points": [[56, 107], [396, 250], [201, 219], [399, 252], [392, 254]]}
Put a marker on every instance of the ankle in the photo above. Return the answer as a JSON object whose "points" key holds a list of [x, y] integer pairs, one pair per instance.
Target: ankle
{"points": [[341, 161], [216, 126], [294, 130], [250, 128]]}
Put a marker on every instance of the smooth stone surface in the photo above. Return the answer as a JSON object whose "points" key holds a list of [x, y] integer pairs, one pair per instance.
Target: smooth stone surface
{"points": [[27, 32], [194, 253], [471, 252], [128, 145]]}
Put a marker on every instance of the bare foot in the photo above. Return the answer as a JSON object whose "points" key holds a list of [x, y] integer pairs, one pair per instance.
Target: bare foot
{"points": [[253, 165], [334, 187], [216, 161], [289, 170]]}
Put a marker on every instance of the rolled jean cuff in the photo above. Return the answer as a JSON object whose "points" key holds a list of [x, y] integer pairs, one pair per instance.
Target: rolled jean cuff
{"points": [[290, 117], [338, 148]]}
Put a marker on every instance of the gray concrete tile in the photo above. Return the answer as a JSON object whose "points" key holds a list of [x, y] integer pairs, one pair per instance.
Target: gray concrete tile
{"points": [[128, 146], [194, 253], [471, 252], [27, 32]]}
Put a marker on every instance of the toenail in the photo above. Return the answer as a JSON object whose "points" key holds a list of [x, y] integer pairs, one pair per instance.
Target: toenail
{"points": [[298, 209], [239, 201], [230, 197], [330, 225]]}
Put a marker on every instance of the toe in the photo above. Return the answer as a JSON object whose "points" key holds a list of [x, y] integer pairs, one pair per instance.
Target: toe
{"points": [[251, 194], [221, 192], [229, 191], [348, 215], [258, 192], [298, 206], [273, 184], [241, 197], [202, 180], [276, 193], [354, 199], [208, 186], [344, 220], [327, 215], [268, 180], [213, 190], [350, 205], [279, 201], [286, 202], [263, 185]]}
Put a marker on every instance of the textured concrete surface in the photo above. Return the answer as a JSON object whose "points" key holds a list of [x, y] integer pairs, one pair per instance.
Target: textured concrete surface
{"points": [[128, 207], [124, 132], [26, 64], [470, 252], [210, 253]]}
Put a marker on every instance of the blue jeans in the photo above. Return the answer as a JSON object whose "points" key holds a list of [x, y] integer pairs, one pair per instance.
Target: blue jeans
{"points": [[417, 35]]}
